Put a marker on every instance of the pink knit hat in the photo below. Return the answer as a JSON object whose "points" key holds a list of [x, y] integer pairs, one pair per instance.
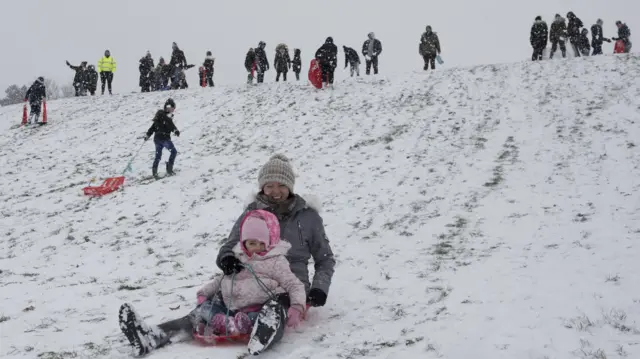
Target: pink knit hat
{"points": [[262, 226], [255, 228]]}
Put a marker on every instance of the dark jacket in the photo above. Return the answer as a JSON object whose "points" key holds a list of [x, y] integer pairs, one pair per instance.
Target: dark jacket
{"points": [[539, 34], [624, 33], [558, 30], [303, 228], [429, 44], [178, 59], [297, 62], [36, 92], [250, 60], [377, 47], [208, 65], [80, 77], [573, 28], [596, 35], [282, 62], [350, 56], [327, 54], [261, 59], [162, 126], [146, 65], [583, 43], [92, 79]]}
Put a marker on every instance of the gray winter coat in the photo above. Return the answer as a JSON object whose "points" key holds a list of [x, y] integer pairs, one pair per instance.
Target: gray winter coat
{"points": [[303, 228]]}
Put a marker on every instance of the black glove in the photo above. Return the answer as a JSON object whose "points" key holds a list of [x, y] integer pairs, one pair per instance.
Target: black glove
{"points": [[146, 138], [316, 298], [230, 265], [177, 133]]}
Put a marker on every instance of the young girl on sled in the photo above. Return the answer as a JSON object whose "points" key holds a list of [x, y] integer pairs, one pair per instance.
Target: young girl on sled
{"points": [[233, 305]]}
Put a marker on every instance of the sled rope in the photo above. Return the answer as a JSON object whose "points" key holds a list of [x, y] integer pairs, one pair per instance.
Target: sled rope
{"points": [[128, 168]]}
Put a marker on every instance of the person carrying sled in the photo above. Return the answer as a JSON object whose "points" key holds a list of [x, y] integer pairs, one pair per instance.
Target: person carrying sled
{"points": [[79, 80], [163, 126], [91, 79], [262, 64], [352, 59], [371, 49], [597, 38], [231, 303], [207, 67], [429, 48], [282, 62], [35, 95], [327, 57], [573, 31], [250, 64], [624, 35], [297, 63], [558, 36], [146, 68], [106, 68], [538, 38]]}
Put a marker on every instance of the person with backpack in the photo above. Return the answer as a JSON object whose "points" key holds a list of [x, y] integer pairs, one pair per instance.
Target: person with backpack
{"points": [[538, 38], [79, 80], [624, 35], [92, 79], [371, 49], [597, 38], [262, 64], [250, 64], [297, 63], [573, 31], [558, 36], [429, 48], [35, 95], [282, 62], [146, 68], [351, 58], [163, 126], [327, 57], [106, 68]]}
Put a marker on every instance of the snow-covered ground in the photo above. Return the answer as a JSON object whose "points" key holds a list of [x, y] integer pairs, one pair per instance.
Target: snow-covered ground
{"points": [[482, 212]]}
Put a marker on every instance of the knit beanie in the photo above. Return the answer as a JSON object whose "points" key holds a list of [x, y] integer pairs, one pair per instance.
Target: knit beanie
{"points": [[277, 169], [255, 228]]}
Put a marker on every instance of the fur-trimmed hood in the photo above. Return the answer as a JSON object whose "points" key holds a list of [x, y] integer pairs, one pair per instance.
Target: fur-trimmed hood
{"points": [[302, 201], [279, 249]]}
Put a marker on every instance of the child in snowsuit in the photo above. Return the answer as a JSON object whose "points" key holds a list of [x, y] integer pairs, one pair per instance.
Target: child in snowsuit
{"points": [[583, 43], [282, 62], [36, 94], [265, 273], [250, 64], [163, 126], [91, 79], [297, 63]]}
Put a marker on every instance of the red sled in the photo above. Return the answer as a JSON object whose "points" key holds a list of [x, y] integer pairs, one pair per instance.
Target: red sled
{"points": [[44, 112], [203, 76], [24, 114], [315, 74], [109, 185], [619, 47]]}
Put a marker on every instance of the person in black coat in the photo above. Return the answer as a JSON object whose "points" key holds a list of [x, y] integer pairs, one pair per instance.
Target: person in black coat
{"points": [[146, 68], [162, 127], [262, 64], [297, 63], [92, 79], [583, 43], [538, 38], [371, 49], [250, 64], [282, 62], [79, 79], [624, 34], [35, 95], [429, 48], [177, 63], [209, 61], [558, 35], [351, 58], [327, 57], [597, 38], [573, 31]]}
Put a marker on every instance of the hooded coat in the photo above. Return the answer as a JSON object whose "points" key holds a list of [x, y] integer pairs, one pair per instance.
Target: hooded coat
{"points": [[243, 290], [558, 29], [539, 34], [297, 61], [36, 92], [573, 28], [282, 61], [429, 44], [303, 228], [327, 54]]}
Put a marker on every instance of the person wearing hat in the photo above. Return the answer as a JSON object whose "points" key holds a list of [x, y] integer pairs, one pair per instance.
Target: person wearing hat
{"points": [[106, 68], [300, 225], [35, 95], [538, 38], [80, 79], [162, 127], [327, 57], [429, 47]]}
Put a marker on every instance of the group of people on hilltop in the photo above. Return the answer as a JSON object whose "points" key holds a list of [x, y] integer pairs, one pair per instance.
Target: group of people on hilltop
{"points": [[168, 76], [86, 77], [560, 32], [256, 62]]}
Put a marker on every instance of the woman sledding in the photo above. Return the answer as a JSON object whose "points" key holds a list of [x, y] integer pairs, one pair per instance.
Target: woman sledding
{"points": [[268, 292]]}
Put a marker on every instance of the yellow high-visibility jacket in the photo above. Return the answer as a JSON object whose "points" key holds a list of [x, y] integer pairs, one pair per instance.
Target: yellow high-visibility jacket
{"points": [[107, 64]]}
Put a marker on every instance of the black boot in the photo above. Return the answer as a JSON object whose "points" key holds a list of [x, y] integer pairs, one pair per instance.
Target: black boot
{"points": [[269, 327], [154, 171], [170, 169]]}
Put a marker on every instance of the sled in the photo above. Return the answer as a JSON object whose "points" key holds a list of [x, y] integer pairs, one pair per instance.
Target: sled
{"points": [[109, 185], [203, 76], [439, 59], [315, 74], [24, 114], [44, 112], [619, 47]]}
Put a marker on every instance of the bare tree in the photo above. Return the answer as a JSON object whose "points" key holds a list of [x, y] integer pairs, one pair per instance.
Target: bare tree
{"points": [[67, 90], [53, 90]]}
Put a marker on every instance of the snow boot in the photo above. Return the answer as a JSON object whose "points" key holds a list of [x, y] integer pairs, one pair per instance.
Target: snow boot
{"points": [[142, 338], [170, 169], [243, 323], [269, 327], [154, 172]]}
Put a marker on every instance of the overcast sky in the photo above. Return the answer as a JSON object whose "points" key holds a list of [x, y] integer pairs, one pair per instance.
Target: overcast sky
{"points": [[39, 35]]}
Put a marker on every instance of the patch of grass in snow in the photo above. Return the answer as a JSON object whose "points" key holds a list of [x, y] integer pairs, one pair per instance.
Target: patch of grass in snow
{"points": [[129, 287], [581, 323], [497, 177], [616, 319], [613, 278], [56, 355]]}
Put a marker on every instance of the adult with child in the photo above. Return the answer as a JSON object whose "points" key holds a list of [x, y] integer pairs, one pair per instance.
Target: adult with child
{"points": [[266, 258]]}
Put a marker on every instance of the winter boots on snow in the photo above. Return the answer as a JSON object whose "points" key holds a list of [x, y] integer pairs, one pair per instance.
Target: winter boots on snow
{"points": [[143, 338], [269, 327]]}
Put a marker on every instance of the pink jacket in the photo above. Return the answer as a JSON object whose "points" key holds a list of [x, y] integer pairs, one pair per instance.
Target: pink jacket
{"points": [[272, 268]]}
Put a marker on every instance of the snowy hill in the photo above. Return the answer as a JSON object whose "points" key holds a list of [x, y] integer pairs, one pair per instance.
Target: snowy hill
{"points": [[482, 212]]}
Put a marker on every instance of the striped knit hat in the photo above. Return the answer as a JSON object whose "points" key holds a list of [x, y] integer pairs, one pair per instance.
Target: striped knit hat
{"points": [[277, 169]]}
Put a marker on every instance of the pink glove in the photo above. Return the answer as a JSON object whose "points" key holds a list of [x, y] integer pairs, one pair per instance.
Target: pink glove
{"points": [[295, 317], [201, 298]]}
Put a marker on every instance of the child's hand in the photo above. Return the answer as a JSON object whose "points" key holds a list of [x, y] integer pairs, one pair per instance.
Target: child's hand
{"points": [[295, 317], [201, 299]]}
